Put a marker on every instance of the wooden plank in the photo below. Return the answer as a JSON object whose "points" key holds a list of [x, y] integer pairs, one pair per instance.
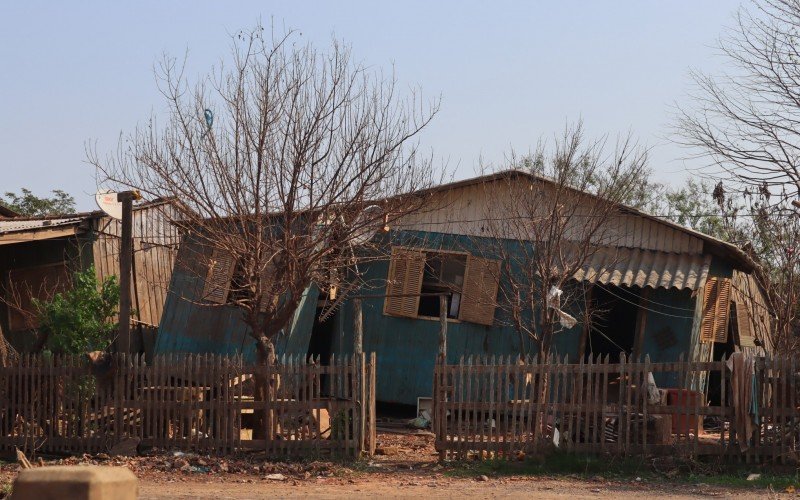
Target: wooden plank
{"points": [[465, 426]]}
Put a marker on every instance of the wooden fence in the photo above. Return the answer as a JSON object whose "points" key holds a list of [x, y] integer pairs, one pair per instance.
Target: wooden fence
{"points": [[200, 403], [492, 407]]}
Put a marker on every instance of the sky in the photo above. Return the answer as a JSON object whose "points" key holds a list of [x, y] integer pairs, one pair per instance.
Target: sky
{"points": [[508, 73]]}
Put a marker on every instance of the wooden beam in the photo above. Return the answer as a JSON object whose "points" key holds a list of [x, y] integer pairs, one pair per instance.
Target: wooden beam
{"points": [[39, 234], [641, 323]]}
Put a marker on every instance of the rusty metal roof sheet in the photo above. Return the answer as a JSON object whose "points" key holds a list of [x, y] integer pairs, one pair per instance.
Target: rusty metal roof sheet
{"points": [[645, 268], [15, 225]]}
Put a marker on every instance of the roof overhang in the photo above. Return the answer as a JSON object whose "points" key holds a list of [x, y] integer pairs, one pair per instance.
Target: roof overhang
{"points": [[645, 268], [22, 231]]}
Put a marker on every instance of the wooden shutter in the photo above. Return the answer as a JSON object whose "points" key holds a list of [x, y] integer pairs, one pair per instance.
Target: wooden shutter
{"points": [[478, 300], [218, 278], [744, 324], [716, 307], [405, 278]]}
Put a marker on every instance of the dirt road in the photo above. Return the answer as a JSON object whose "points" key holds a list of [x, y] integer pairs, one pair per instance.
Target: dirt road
{"points": [[427, 487], [405, 466]]}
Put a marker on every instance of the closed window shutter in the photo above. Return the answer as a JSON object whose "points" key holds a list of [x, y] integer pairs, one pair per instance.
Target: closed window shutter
{"points": [[218, 278], [744, 324], [716, 307], [480, 291], [406, 269]]}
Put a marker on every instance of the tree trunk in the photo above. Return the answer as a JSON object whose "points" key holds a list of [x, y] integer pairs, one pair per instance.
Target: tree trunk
{"points": [[266, 387]]}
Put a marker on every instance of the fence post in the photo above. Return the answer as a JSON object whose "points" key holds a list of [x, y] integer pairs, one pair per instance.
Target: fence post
{"points": [[438, 424], [360, 373], [358, 327]]}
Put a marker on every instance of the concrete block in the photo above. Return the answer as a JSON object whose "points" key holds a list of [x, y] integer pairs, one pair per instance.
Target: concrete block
{"points": [[76, 482]]}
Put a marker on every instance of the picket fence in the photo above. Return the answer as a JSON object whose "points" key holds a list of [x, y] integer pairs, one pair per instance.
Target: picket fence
{"points": [[506, 407], [199, 403]]}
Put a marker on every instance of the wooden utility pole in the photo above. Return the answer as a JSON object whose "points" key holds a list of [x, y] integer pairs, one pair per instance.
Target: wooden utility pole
{"points": [[442, 329], [125, 265], [358, 327]]}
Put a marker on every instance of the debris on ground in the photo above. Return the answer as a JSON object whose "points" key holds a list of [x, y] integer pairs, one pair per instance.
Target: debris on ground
{"points": [[128, 447], [23, 460]]}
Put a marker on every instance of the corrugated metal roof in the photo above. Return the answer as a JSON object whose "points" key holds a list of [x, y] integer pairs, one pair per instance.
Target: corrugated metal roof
{"points": [[645, 268], [15, 225]]}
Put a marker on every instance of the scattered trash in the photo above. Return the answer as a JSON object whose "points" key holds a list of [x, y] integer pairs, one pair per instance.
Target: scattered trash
{"points": [[753, 477], [388, 451], [128, 447], [419, 423], [275, 477], [482, 478], [180, 463]]}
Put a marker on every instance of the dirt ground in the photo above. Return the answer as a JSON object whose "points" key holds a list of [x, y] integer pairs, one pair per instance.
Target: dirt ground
{"points": [[425, 486], [405, 466]]}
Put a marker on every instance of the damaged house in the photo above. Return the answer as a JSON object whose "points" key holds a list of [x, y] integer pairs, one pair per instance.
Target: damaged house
{"points": [[666, 291], [39, 255]]}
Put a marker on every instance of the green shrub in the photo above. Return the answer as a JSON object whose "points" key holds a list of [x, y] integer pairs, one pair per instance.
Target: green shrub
{"points": [[82, 319]]}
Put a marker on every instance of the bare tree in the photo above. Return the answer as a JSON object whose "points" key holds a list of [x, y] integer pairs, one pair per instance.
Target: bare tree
{"points": [[284, 162], [747, 123], [550, 224]]}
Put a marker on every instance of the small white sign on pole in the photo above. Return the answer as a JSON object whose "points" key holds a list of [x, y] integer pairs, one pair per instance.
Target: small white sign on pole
{"points": [[108, 203]]}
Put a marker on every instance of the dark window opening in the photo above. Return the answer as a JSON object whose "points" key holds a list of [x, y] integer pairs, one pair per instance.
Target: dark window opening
{"points": [[444, 273], [613, 329], [241, 289]]}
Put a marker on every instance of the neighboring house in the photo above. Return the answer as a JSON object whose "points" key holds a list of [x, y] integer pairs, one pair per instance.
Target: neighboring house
{"points": [[39, 255], [666, 290], [7, 213]]}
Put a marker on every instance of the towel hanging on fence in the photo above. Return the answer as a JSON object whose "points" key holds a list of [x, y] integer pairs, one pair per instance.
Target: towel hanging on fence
{"points": [[743, 388]]}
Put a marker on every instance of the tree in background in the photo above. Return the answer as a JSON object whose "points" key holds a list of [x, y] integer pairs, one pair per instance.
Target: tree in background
{"points": [[746, 123], [567, 220], [81, 319], [28, 204]]}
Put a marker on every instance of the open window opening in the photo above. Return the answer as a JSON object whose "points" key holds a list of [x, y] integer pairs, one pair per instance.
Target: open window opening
{"points": [[444, 273], [613, 329], [470, 284]]}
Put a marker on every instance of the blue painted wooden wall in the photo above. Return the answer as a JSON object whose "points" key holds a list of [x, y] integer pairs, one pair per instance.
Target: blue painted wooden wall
{"points": [[188, 326], [406, 348]]}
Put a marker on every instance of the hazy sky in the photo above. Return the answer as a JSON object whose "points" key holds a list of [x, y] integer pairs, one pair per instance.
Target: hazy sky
{"points": [[508, 72]]}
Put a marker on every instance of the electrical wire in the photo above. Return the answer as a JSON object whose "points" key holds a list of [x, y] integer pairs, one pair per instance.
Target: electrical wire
{"points": [[647, 308], [622, 349], [655, 302]]}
